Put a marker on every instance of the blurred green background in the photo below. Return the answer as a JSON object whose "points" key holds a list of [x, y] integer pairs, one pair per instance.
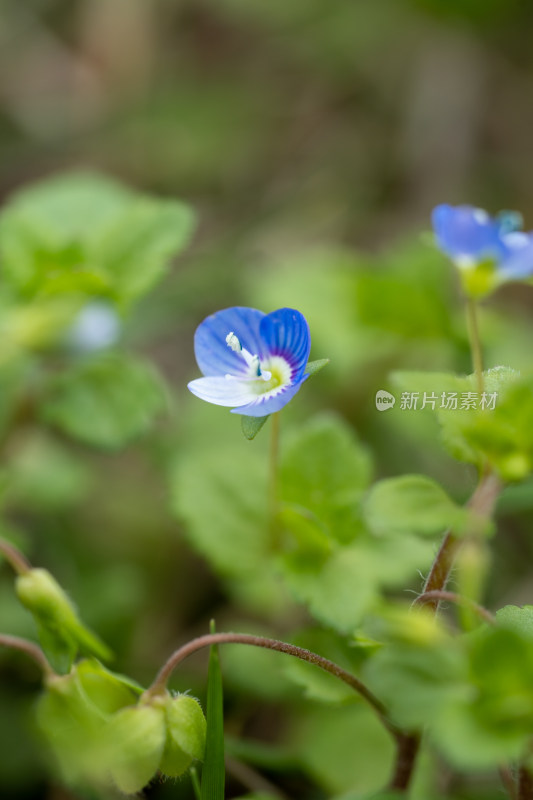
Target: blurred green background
{"points": [[311, 138]]}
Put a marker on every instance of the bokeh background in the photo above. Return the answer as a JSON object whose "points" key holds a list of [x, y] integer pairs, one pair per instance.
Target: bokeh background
{"points": [[311, 138]]}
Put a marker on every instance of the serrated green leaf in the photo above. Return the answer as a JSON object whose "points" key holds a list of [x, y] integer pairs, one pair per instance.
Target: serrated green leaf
{"points": [[105, 402], [213, 773], [324, 470], [252, 425], [83, 233], [414, 504]]}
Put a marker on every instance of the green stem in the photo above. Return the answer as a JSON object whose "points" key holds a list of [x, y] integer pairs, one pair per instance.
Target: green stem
{"points": [[481, 503], [159, 685], [273, 479], [475, 343]]}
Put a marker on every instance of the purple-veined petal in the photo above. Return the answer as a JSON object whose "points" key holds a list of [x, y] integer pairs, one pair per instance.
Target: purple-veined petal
{"points": [[213, 355], [222, 391], [285, 332], [268, 404], [467, 232]]}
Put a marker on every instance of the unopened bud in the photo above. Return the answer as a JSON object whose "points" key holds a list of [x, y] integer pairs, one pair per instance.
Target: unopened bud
{"points": [[135, 739], [185, 742]]}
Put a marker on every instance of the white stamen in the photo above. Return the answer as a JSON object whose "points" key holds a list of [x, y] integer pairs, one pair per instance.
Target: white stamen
{"points": [[233, 342]]}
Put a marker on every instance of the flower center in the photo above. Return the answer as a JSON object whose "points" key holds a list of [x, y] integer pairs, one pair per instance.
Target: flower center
{"points": [[253, 362], [271, 376]]}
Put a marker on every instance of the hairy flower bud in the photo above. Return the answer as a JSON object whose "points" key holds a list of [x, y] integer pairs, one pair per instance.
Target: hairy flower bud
{"points": [[186, 727], [135, 738]]}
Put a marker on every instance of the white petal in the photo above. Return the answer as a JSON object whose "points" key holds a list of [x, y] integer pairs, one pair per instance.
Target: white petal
{"points": [[223, 391]]}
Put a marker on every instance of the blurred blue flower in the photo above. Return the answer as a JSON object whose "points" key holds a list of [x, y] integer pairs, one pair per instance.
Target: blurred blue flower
{"points": [[469, 236], [96, 327], [252, 362]]}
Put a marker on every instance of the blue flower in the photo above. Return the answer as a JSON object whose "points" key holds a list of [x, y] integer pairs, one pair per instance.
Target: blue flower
{"points": [[96, 327], [470, 237], [252, 362]]}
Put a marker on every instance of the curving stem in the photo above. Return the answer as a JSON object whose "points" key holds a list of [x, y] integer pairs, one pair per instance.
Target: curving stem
{"points": [[159, 685]]}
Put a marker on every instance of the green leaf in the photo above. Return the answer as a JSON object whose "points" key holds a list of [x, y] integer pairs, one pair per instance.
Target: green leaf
{"points": [[417, 682], [344, 587], [85, 233], [252, 425], [213, 773], [231, 530], [315, 366], [501, 436], [414, 504], [323, 472], [105, 402], [517, 618]]}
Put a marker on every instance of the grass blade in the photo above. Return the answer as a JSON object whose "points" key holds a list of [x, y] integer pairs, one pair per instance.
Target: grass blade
{"points": [[213, 773]]}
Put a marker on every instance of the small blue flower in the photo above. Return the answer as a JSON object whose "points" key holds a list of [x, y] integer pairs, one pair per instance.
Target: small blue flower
{"points": [[96, 327], [470, 237], [252, 362]]}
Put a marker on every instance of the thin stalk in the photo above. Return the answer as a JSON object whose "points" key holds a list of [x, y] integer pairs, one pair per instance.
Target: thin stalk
{"points": [[30, 648], [508, 782], [481, 503], [159, 685], [475, 342], [273, 477], [525, 784], [453, 597], [14, 557]]}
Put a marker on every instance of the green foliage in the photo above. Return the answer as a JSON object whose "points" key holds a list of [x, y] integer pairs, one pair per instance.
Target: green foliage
{"points": [[414, 504], [473, 693], [106, 401], [499, 436], [517, 618], [323, 471], [87, 234], [230, 530]]}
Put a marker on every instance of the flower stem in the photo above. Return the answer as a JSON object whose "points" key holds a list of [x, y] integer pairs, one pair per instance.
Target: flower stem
{"points": [[525, 784], [273, 479], [453, 597], [14, 557], [481, 503], [475, 342], [159, 685], [30, 648]]}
